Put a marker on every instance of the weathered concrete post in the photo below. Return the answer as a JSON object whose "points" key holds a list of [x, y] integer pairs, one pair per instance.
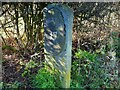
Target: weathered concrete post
{"points": [[58, 22]]}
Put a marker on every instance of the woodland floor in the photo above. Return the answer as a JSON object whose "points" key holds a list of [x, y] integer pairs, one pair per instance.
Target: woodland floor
{"points": [[12, 70]]}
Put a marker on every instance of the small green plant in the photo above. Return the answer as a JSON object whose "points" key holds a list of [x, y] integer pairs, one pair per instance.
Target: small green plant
{"points": [[28, 66], [43, 79], [85, 55], [14, 85], [1, 85], [86, 71]]}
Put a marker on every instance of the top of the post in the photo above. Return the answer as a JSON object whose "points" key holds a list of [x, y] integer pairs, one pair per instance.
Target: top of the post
{"points": [[66, 10]]}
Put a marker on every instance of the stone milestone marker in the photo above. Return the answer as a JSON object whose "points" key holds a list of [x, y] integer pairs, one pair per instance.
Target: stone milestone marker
{"points": [[58, 22]]}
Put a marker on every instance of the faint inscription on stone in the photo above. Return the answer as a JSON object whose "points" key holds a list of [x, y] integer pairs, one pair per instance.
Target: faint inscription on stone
{"points": [[54, 31]]}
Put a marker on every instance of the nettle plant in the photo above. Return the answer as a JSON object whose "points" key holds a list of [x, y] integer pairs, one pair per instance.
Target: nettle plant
{"points": [[45, 79]]}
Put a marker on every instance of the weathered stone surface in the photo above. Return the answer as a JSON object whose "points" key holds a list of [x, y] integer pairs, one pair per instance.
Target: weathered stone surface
{"points": [[58, 22], [54, 32]]}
